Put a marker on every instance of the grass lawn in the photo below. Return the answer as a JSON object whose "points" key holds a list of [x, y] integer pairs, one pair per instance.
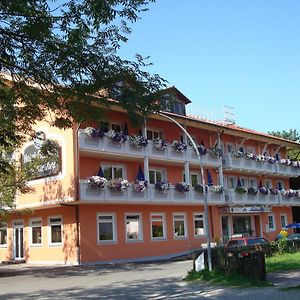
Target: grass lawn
{"points": [[283, 262], [222, 279]]}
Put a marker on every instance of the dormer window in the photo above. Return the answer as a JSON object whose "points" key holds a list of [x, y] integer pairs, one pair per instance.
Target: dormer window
{"points": [[173, 106]]}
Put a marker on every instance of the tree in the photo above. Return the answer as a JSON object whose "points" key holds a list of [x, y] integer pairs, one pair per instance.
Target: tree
{"points": [[292, 135], [62, 56]]}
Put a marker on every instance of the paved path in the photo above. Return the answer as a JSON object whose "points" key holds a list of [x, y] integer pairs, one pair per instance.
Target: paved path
{"points": [[131, 281]]}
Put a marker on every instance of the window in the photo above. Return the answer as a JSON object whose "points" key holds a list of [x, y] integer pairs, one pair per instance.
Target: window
{"points": [[244, 181], [158, 226], [154, 134], [55, 230], [271, 222], [252, 182], [35, 231], [268, 183], [194, 178], [179, 225], [280, 185], [3, 234], [116, 127], [133, 227], [231, 182], [198, 224], [229, 148], [155, 175], [106, 228], [283, 220], [113, 172]]}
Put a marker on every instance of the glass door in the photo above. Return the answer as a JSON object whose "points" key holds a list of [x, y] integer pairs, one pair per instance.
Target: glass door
{"points": [[18, 240]]}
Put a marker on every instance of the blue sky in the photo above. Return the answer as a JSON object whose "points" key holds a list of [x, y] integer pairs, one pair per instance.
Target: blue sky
{"points": [[241, 53]]}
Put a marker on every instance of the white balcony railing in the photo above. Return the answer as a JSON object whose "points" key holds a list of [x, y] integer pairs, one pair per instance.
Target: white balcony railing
{"points": [[106, 145], [150, 195], [233, 197], [260, 167]]}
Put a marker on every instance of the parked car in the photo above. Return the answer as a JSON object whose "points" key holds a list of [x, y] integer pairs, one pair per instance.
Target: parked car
{"points": [[293, 237], [236, 242]]}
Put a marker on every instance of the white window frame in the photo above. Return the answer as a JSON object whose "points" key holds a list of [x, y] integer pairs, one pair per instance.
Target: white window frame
{"points": [[176, 237], [249, 182], [156, 130], [163, 219], [121, 166], [30, 232], [196, 218], [191, 174], [114, 227], [285, 220], [234, 178], [274, 222], [3, 226], [140, 226], [49, 231], [163, 173]]}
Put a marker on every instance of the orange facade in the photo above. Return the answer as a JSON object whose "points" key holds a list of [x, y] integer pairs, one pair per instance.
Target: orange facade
{"points": [[70, 222]]}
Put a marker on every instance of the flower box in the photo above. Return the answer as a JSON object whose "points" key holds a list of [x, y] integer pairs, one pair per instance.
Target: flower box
{"points": [[263, 190], [241, 190], [163, 186], [201, 149], [179, 146], [252, 190], [117, 137], [96, 182], [160, 144], [217, 189], [198, 188], [140, 186], [118, 185], [138, 141], [94, 132], [182, 187], [214, 152]]}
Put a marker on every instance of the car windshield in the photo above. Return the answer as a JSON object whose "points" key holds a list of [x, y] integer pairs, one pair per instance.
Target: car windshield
{"points": [[256, 241]]}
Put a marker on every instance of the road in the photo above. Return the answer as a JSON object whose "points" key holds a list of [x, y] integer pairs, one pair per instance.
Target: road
{"points": [[131, 281]]}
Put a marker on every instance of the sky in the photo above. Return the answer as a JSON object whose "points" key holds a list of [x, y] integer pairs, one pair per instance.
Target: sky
{"points": [[241, 53]]}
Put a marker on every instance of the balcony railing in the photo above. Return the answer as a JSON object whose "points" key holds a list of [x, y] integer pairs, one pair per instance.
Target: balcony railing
{"points": [[233, 197], [106, 145], [150, 195], [259, 167]]}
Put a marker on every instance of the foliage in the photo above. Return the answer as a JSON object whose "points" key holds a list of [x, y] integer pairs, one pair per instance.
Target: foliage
{"points": [[252, 190], [94, 132], [117, 137], [163, 186], [241, 190], [59, 59], [160, 144], [179, 146], [292, 135], [199, 188], [217, 189]]}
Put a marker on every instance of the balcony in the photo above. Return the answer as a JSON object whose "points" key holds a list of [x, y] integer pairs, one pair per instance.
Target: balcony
{"points": [[150, 195], [259, 167], [232, 197], [106, 146]]}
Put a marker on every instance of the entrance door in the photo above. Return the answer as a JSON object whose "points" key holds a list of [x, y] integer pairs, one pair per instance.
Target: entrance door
{"points": [[18, 239], [257, 225], [225, 229]]}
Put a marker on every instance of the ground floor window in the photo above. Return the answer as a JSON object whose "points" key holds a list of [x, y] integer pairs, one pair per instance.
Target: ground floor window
{"points": [[283, 220], [3, 234], [35, 232], [133, 227], [55, 230], [199, 224], [179, 225], [271, 222], [158, 226], [242, 225], [106, 228]]}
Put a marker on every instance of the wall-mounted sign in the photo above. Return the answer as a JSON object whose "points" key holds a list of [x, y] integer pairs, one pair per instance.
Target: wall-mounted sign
{"points": [[47, 165], [244, 209]]}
